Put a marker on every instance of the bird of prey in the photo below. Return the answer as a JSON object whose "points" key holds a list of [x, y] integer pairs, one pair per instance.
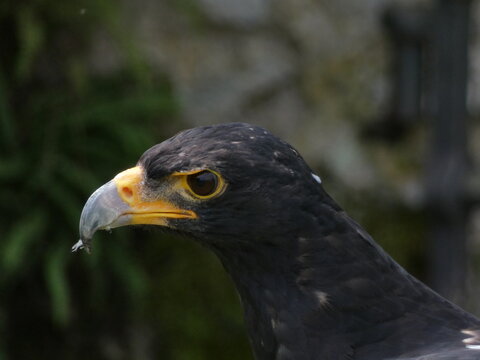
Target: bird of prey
{"points": [[313, 284]]}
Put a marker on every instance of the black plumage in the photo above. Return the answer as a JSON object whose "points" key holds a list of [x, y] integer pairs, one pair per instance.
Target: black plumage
{"points": [[312, 282]]}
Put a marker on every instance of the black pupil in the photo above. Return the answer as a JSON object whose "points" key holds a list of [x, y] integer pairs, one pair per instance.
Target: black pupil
{"points": [[203, 183]]}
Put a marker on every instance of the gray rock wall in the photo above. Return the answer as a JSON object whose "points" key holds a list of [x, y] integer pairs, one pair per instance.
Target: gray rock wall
{"points": [[313, 72]]}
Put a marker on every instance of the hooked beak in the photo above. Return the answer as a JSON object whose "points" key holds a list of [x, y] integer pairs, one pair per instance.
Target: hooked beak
{"points": [[119, 203]]}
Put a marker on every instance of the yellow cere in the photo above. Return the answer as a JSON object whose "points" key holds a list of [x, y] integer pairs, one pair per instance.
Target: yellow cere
{"points": [[129, 184]]}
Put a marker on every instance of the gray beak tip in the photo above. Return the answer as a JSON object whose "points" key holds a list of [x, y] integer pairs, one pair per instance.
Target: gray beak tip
{"points": [[103, 210], [80, 244]]}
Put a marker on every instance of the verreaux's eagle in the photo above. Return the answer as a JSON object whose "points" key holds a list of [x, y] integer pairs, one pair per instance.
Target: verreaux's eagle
{"points": [[313, 283]]}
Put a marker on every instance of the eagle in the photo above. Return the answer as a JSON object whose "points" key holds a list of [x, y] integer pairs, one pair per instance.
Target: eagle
{"points": [[313, 284]]}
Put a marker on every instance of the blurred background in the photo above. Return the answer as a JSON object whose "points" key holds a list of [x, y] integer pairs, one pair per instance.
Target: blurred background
{"points": [[382, 98]]}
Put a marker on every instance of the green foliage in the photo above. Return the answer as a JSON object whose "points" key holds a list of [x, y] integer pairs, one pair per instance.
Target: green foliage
{"points": [[64, 131]]}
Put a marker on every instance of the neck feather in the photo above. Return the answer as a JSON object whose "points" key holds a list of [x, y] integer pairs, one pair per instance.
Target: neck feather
{"points": [[325, 293]]}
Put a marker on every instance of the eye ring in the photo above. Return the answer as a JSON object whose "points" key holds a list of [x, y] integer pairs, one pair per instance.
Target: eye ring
{"points": [[204, 184]]}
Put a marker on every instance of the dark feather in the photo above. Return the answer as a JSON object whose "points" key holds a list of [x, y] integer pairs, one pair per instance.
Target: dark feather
{"points": [[313, 283]]}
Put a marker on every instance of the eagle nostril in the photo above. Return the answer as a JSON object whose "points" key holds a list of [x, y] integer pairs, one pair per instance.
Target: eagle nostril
{"points": [[127, 192]]}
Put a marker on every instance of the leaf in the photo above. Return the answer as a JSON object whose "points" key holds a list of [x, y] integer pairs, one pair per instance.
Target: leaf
{"points": [[30, 34], [12, 168], [55, 276], [19, 239], [76, 176], [130, 272], [65, 204], [7, 126]]}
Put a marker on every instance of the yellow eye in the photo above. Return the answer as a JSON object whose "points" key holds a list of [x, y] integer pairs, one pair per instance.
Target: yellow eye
{"points": [[204, 184]]}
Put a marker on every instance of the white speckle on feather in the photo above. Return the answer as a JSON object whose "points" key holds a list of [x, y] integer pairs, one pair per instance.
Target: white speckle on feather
{"points": [[276, 154], [474, 339], [322, 298], [181, 154], [265, 132], [252, 137], [251, 129], [235, 142], [317, 178]]}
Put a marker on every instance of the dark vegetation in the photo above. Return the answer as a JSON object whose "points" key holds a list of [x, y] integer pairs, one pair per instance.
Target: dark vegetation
{"points": [[65, 130]]}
